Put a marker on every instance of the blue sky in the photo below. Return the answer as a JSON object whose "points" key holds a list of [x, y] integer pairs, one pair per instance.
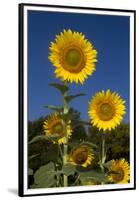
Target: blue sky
{"points": [[110, 36]]}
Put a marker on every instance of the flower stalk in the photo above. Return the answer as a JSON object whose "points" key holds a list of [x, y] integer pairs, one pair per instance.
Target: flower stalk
{"points": [[103, 154], [65, 147]]}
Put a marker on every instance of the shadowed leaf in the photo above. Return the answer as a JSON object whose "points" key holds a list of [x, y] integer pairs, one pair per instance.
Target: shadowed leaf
{"points": [[97, 176], [44, 176], [68, 169], [53, 137]]}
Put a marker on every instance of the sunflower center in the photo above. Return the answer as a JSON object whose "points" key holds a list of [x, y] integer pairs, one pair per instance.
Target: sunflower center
{"points": [[80, 156], [73, 59], [118, 175], [106, 111], [58, 129]]}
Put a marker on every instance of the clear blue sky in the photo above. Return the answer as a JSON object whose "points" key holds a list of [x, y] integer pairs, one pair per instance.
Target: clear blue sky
{"points": [[110, 36]]}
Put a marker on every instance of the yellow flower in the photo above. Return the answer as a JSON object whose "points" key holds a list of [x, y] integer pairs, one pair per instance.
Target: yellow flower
{"points": [[73, 56], [119, 171], [81, 155], [54, 125], [106, 110]]}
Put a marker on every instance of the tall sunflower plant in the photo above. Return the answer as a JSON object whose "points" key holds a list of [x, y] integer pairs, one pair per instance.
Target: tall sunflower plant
{"points": [[74, 59]]}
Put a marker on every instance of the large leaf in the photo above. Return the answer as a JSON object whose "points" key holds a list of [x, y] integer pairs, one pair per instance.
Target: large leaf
{"points": [[68, 169], [45, 176], [55, 108], [38, 138], [60, 87], [53, 137], [71, 97], [96, 176]]}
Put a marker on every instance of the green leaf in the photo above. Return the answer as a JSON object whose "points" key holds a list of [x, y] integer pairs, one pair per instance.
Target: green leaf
{"points": [[52, 138], [33, 156], [68, 169], [55, 108], [45, 176], [38, 138], [71, 97], [108, 164], [60, 87], [89, 144], [96, 176]]}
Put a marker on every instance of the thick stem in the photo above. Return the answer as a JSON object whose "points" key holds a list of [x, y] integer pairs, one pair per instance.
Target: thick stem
{"points": [[103, 154], [65, 161], [65, 150], [57, 177]]}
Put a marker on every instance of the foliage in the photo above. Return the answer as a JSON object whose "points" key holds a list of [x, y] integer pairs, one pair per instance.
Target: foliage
{"points": [[42, 152], [66, 151], [117, 141]]}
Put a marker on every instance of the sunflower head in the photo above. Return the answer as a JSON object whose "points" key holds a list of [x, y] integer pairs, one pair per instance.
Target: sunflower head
{"points": [[81, 155], [54, 125], [106, 110], [119, 171], [73, 56]]}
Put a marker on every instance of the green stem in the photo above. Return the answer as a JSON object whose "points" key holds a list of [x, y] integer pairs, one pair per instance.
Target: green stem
{"points": [[103, 154], [65, 150], [57, 176], [61, 153], [65, 161]]}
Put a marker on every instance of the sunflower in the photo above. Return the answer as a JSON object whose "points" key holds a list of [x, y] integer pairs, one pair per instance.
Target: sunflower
{"points": [[106, 110], [73, 56], [119, 171], [81, 155], [54, 125]]}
